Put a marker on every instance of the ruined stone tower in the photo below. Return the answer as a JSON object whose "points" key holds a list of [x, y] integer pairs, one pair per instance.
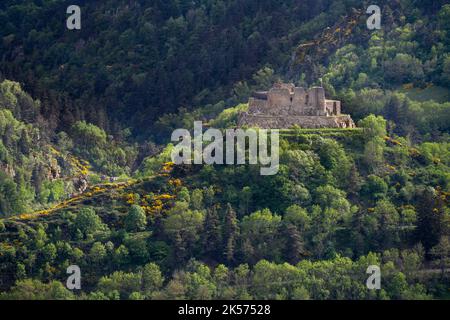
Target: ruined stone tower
{"points": [[285, 105]]}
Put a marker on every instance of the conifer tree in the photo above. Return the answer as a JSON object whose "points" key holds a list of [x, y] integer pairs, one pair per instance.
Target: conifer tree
{"points": [[295, 245], [430, 224], [230, 233], [212, 235]]}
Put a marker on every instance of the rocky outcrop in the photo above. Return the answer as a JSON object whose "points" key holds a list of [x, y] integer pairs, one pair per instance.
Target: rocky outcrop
{"points": [[80, 184], [8, 169], [54, 170]]}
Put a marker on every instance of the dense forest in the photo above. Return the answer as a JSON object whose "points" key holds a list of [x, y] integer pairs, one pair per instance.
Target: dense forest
{"points": [[86, 176]]}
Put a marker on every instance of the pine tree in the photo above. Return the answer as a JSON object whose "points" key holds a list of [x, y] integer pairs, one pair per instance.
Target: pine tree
{"points": [[245, 200], [230, 233], [180, 249], [212, 234], [354, 182], [294, 246], [442, 253], [430, 224]]}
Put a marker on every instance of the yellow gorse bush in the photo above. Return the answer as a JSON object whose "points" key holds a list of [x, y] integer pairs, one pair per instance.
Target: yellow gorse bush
{"points": [[167, 167], [164, 197], [175, 182]]}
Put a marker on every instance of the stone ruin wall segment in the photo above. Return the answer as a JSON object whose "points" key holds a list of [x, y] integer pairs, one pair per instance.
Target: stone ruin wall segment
{"points": [[285, 105]]}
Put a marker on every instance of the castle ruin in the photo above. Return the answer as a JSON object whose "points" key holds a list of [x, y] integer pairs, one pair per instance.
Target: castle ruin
{"points": [[285, 106]]}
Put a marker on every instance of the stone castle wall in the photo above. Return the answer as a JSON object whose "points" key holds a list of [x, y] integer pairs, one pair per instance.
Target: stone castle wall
{"points": [[280, 122], [285, 105]]}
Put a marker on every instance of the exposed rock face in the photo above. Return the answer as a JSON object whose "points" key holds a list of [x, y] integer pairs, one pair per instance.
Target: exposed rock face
{"points": [[54, 170], [80, 184], [285, 105], [9, 170]]}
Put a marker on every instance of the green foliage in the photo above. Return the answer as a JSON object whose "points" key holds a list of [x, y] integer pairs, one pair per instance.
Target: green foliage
{"points": [[92, 143], [52, 191], [152, 278], [259, 230], [97, 253], [120, 282], [10, 200], [404, 68], [207, 46], [184, 227], [136, 219], [298, 217], [228, 118], [436, 152], [374, 127], [197, 199], [332, 198], [341, 201], [89, 223], [375, 187], [152, 165], [30, 289]]}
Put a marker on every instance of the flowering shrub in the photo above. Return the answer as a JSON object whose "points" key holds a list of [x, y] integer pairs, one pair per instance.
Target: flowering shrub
{"points": [[175, 182]]}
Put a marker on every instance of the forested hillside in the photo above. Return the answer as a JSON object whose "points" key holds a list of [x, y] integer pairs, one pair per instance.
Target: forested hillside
{"points": [[133, 60], [86, 176], [144, 58]]}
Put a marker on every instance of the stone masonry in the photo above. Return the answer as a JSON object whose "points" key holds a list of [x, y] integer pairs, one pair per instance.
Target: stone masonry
{"points": [[285, 105]]}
